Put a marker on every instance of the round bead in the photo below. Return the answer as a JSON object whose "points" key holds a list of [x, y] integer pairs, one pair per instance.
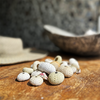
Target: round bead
{"points": [[36, 80], [56, 78], [66, 70], [23, 76]]}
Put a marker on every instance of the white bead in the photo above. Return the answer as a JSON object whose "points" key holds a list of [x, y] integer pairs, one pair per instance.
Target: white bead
{"points": [[28, 70], [48, 60], [36, 73], [36, 80], [35, 64], [58, 59], [43, 75], [46, 67], [66, 70], [64, 63], [23, 76], [74, 63], [74, 69]]}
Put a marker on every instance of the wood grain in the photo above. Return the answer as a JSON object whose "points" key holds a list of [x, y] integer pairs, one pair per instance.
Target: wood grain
{"points": [[84, 86]]}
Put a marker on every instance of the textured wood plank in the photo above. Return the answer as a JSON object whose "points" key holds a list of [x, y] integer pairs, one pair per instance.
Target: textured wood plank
{"points": [[84, 86]]}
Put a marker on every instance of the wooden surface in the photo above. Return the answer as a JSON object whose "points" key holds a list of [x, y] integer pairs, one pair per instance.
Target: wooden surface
{"points": [[84, 86]]}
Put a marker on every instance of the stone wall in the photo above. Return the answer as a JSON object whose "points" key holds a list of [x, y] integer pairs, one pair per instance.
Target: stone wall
{"points": [[25, 18]]}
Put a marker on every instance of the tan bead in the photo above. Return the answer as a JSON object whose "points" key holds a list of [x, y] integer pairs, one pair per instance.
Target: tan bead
{"points": [[55, 64], [23, 76], [56, 78], [58, 59], [66, 70]]}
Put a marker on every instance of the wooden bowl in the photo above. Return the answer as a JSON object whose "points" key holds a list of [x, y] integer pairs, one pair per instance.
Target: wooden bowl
{"points": [[85, 45]]}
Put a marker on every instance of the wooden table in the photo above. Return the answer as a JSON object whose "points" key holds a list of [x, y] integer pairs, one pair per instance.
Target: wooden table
{"points": [[84, 86]]}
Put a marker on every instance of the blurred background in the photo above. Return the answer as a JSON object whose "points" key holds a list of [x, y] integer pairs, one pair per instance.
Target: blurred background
{"points": [[25, 19]]}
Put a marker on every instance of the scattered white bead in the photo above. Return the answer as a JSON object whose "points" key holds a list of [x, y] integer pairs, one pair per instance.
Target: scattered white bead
{"points": [[43, 75], [64, 63], [74, 69], [36, 80], [63, 68], [48, 60], [66, 70], [58, 59], [35, 73], [23, 76], [28, 70], [46, 67], [74, 63], [35, 65]]}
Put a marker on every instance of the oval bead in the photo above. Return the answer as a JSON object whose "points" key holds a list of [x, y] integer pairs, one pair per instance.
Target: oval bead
{"points": [[28, 70], [46, 67]]}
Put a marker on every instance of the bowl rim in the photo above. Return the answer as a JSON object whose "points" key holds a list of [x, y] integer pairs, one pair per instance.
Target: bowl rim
{"points": [[47, 28]]}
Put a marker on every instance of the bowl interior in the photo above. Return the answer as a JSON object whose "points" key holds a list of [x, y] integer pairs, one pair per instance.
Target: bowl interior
{"points": [[77, 44]]}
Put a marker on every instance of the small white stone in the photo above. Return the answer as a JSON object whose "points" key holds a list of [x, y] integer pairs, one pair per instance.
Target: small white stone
{"points": [[36, 80], [36, 73], [23, 76], [28, 70]]}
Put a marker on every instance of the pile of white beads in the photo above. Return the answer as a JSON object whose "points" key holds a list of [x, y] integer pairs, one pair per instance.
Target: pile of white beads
{"points": [[52, 70]]}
